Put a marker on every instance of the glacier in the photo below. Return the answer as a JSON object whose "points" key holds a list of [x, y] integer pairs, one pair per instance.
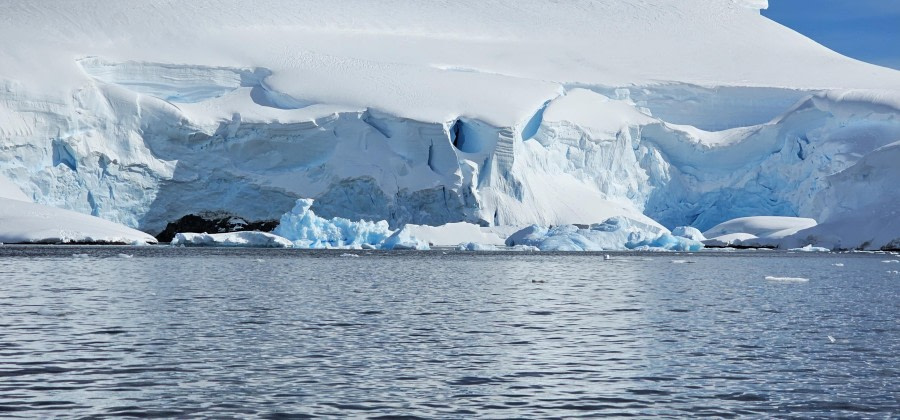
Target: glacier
{"points": [[670, 114]]}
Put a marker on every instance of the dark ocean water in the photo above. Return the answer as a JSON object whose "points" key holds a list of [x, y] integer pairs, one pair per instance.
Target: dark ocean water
{"points": [[174, 332]]}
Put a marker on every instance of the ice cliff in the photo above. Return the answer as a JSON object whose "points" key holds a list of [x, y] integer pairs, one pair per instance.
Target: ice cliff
{"points": [[503, 112]]}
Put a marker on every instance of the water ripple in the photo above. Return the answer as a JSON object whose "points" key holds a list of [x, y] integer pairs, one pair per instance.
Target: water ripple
{"points": [[214, 333]]}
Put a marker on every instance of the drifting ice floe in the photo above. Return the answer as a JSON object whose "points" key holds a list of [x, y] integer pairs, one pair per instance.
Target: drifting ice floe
{"points": [[810, 248], [474, 246], [787, 279], [233, 239], [617, 233]]}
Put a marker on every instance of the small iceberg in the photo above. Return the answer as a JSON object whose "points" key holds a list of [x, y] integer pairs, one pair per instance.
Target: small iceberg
{"points": [[305, 229], [810, 248], [616, 233], [475, 246], [233, 239], [787, 279]]}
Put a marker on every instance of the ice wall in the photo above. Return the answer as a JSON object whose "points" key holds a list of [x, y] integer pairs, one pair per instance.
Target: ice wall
{"points": [[674, 113], [233, 147]]}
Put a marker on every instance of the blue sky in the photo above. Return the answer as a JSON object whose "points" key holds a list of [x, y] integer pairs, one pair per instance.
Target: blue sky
{"points": [[867, 30]]}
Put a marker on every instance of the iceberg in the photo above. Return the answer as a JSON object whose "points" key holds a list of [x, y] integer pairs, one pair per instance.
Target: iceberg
{"points": [[453, 234], [617, 233], [404, 240], [305, 229], [689, 233], [756, 231], [475, 246], [810, 248], [245, 239]]}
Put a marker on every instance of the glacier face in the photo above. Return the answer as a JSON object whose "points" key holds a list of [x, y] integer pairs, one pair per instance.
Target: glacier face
{"points": [[549, 135]]}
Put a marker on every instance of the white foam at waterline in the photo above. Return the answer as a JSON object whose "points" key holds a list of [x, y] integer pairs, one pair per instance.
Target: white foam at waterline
{"points": [[787, 279]]}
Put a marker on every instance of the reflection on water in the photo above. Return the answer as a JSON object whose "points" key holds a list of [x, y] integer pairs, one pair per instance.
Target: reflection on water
{"points": [[210, 332]]}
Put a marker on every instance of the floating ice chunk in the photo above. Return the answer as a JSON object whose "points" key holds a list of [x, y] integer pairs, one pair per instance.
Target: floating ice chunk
{"points": [[831, 339], [524, 248], [838, 264], [775, 227], [668, 242], [729, 239], [810, 248], [453, 234], [787, 279], [307, 230], [233, 239], [689, 232], [891, 261], [403, 239], [350, 255], [756, 231], [474, 246], [682, 262], [616, 233], [125, 256]]}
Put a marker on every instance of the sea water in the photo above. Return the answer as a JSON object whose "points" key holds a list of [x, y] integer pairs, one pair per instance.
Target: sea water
{"points": [[180, 332]]}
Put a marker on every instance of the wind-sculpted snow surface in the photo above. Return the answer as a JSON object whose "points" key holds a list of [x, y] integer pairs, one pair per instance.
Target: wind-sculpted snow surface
{"points": [[494, 113], [22, 221]]}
